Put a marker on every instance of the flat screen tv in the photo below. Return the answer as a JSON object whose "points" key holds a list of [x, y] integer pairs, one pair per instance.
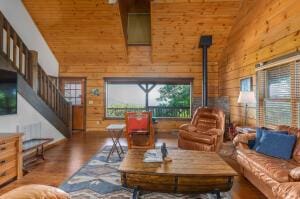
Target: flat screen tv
{"points": [[8, 92]]}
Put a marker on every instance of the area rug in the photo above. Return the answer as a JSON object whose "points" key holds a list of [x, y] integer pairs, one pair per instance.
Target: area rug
{"points": [[101, 179]]}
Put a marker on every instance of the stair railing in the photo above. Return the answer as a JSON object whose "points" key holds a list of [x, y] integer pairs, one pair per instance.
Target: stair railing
{"points": [[24, 61]]}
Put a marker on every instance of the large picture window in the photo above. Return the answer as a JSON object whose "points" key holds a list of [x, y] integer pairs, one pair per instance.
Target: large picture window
{"points": [[164, 98], [277, 94]]}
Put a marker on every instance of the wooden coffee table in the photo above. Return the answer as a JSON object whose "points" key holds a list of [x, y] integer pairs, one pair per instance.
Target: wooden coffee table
{"points": [[189, 172]]}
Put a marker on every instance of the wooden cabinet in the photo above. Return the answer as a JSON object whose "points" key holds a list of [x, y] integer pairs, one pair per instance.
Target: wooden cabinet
{"points": [[10, 157]]}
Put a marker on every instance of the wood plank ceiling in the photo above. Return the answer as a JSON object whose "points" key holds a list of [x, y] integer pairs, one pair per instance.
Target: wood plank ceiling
{"points": [[176, 28], [80, 31], [90, 32]]}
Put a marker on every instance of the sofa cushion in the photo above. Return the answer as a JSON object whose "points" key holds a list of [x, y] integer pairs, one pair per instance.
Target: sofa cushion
{"points": [[295, 174], [197, 146], [286, 190], [188, 127], [296, 153], [277, 169], [276, 144], [207, 123], [197, 137]]}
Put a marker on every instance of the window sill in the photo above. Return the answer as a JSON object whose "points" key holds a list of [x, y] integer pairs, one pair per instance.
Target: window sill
{"points": [[157, 119]]}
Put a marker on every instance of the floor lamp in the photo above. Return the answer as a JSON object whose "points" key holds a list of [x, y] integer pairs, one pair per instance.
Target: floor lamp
{"points": [[246, 97]]}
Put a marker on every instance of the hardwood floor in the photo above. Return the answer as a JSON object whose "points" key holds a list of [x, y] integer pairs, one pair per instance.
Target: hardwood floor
{"points": [[65, 159]]}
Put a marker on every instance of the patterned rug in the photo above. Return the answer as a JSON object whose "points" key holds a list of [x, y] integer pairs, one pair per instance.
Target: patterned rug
{"points": [[101, 179]]}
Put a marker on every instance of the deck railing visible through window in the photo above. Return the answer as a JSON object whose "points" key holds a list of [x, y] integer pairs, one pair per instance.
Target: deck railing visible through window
{"points": [[157, 112], [164, 97]]}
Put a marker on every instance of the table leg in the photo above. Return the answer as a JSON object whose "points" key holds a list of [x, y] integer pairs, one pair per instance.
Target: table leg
{"points": [[116, 147], [118, 142], [218, 193], [115, 136], [136, 193], [37, 152], [110, 152], [42, 152]]}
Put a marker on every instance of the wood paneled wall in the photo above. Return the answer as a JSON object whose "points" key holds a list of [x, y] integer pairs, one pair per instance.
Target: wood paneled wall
{"points": [[265, 29], [139, 65], [87, 38], [177, 27]]}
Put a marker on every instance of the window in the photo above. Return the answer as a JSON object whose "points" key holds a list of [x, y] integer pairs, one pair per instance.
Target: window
{"points": [[278, 94], [139, 30], [165, 99], [72, 91]]}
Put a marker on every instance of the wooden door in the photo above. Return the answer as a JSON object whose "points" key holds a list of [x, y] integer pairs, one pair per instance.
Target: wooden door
{"points": [[74, 92]]}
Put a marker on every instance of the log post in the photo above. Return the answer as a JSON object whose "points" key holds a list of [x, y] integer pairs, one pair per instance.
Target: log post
{"points": [[33, 65]]}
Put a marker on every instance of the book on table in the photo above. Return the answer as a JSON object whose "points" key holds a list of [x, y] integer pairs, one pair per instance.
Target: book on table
{"points": [[153, 155]]}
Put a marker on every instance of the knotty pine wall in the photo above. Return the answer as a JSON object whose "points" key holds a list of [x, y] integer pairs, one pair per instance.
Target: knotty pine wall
{"points": [[139, 65], [265, 29], [88, 41]]}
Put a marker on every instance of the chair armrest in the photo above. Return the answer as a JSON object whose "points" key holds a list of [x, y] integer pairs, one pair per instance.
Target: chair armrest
{"points": [[287, 190], [242, 139], [294, 174], [214, 131], [188, 127]]}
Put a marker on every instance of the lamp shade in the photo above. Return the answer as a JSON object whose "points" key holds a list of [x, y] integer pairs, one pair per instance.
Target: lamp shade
{"points": [[247, 97]]}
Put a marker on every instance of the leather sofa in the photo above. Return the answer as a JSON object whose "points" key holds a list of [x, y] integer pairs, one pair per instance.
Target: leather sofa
{"points": [[35, 191], [205, 132], [275, 178]]}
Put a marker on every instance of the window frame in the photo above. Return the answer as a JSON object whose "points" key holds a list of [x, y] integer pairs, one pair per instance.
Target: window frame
{"points": [[263, 96], [148, 80], [129, 21], [76, 81]]}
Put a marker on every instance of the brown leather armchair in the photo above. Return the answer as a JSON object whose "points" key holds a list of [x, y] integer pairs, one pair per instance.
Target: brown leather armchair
{"points": [[205, 133]]}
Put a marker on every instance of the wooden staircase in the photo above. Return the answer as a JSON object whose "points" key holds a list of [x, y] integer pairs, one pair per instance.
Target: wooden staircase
{"points": [[34, 84]]}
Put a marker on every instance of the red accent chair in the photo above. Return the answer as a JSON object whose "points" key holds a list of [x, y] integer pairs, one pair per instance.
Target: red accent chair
{"points": [[139, 130]]}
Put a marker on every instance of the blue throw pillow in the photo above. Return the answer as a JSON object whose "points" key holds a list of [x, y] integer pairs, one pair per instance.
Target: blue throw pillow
{"points": [[277, 145], [258, 136], [259, 132]]}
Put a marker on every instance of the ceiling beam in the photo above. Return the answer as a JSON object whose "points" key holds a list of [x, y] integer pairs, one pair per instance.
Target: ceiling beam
{"points": [[191, 1]]}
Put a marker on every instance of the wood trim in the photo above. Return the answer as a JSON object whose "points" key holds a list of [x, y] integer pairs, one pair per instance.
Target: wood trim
{"points": [[104, 100], [155, 80], [1, 31], [84, 79], [157, 118], [285, 59]]}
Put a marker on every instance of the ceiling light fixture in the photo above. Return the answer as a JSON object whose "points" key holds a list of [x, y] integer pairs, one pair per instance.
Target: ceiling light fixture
{"points": [[112, 1]]}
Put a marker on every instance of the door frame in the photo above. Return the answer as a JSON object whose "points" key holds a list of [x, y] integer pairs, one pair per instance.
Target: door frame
{"points": [[61, 78]]}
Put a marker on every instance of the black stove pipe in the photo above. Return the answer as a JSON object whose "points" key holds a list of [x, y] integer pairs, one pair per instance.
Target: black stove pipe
{"points": [[205, 43]]}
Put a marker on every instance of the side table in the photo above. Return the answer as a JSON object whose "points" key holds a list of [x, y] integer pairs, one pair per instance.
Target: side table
{"points": [[115, 131]]}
